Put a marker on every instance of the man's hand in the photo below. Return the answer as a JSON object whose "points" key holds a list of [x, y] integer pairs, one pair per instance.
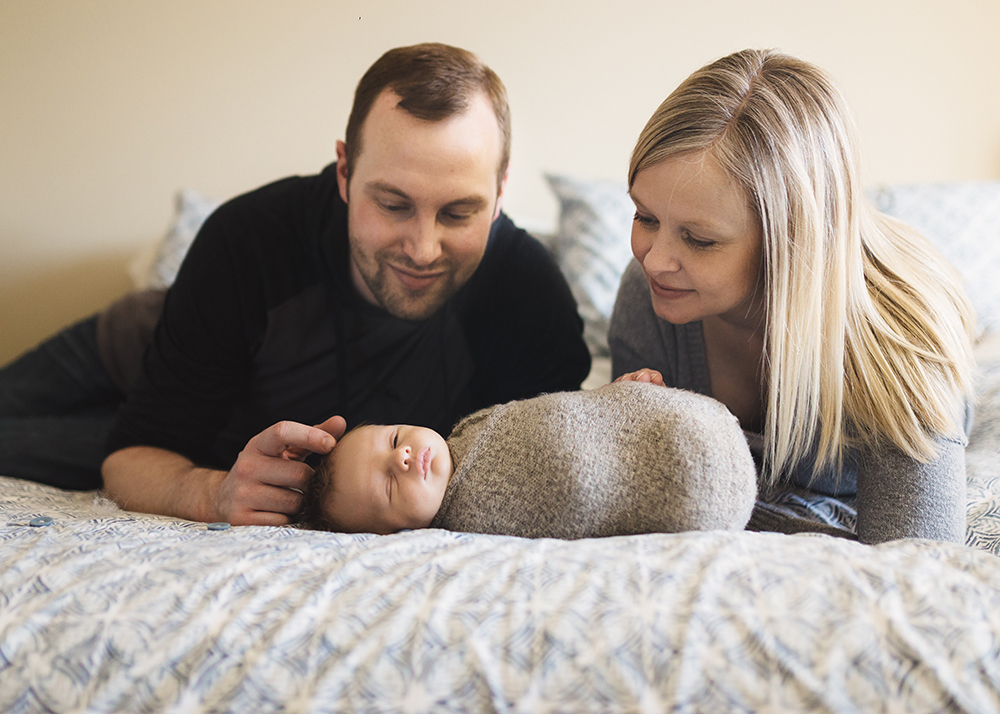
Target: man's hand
{"points": [[258, 490], [643, 375], [266, 484]]}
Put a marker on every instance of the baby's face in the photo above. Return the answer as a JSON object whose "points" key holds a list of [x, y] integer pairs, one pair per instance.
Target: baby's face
{"points": [[388, 478]]}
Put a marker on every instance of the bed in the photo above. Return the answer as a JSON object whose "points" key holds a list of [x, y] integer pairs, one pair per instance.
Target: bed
{"points": [[107, 610]]}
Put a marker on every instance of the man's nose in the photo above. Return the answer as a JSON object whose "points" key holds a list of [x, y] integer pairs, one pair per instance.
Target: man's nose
{"points": [[422, 244]]}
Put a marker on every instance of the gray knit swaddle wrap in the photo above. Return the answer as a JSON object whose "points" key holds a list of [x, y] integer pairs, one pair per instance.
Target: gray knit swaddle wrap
{"points": [[625, 458]]}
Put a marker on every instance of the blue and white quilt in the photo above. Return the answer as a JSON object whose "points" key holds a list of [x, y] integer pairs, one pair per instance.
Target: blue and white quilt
{"points": [[103, 610]]}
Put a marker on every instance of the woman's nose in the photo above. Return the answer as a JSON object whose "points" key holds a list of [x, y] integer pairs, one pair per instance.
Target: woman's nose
{"points": [[655, 251], [661, 257]]}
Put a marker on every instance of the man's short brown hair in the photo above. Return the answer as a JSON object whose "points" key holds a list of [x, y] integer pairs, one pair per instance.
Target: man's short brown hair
{"points": [[434, 81]]}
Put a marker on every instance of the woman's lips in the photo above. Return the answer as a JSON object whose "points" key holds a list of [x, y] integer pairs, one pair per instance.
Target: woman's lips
{"points": [[667, 291]]}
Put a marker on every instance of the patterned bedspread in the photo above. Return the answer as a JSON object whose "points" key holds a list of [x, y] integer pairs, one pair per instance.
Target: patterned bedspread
{"points": [[105, 610]]}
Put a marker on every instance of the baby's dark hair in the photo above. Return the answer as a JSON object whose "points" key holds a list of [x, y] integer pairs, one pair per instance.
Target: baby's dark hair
{"points": [[312, 515]]}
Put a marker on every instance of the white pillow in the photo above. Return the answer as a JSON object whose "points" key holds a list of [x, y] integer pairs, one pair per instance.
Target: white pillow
{"points": [[158, 267], [592, 248]]}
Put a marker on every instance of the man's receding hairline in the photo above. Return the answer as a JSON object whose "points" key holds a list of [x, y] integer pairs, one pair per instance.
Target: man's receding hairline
{"points": [[355, 152]]}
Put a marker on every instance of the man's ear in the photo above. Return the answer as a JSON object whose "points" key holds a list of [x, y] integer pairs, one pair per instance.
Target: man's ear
{"points": [[342, 177], [503, 186]]}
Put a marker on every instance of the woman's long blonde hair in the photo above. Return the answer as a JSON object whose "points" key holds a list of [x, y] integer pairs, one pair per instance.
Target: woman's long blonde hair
{"points": [[868, 336]]}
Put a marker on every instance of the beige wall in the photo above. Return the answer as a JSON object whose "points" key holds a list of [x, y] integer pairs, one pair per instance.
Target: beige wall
{"points": [[107, 107]]}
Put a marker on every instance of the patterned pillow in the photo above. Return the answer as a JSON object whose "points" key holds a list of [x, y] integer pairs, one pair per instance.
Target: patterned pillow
{"points": [[158, 270], [962, 220], [592, 248]]}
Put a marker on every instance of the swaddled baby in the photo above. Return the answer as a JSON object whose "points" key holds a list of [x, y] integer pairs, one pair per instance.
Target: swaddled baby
{"points": [[626, 458]]}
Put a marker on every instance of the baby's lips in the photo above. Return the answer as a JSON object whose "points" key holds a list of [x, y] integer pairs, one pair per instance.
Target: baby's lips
{"points": [[423, 461]]}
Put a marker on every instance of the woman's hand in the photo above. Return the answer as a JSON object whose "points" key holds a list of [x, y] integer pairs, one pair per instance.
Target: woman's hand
{"points": [[643, 375]]}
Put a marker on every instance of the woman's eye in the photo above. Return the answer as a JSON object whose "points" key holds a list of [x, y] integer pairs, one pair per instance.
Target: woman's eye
{"points": [[644, 220], [697, 243]]}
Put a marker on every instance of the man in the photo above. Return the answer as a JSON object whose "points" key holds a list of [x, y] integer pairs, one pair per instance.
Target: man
{"points": [[388, 288]]}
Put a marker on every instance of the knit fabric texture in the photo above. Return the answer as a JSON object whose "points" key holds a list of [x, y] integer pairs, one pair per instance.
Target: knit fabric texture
{"points": [[618, 460]]}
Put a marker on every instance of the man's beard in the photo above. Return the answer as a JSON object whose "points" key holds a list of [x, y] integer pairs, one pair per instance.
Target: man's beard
{"points": [[395, 297]]}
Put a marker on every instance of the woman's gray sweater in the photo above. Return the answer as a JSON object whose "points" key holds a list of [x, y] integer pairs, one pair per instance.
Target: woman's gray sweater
{"points": [[897, 496]]}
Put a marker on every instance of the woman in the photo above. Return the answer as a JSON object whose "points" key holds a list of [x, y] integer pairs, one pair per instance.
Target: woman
{"points": [[837, 336]]}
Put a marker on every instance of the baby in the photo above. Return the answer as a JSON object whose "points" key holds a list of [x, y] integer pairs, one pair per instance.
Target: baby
{"points": [[626, 458]]}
